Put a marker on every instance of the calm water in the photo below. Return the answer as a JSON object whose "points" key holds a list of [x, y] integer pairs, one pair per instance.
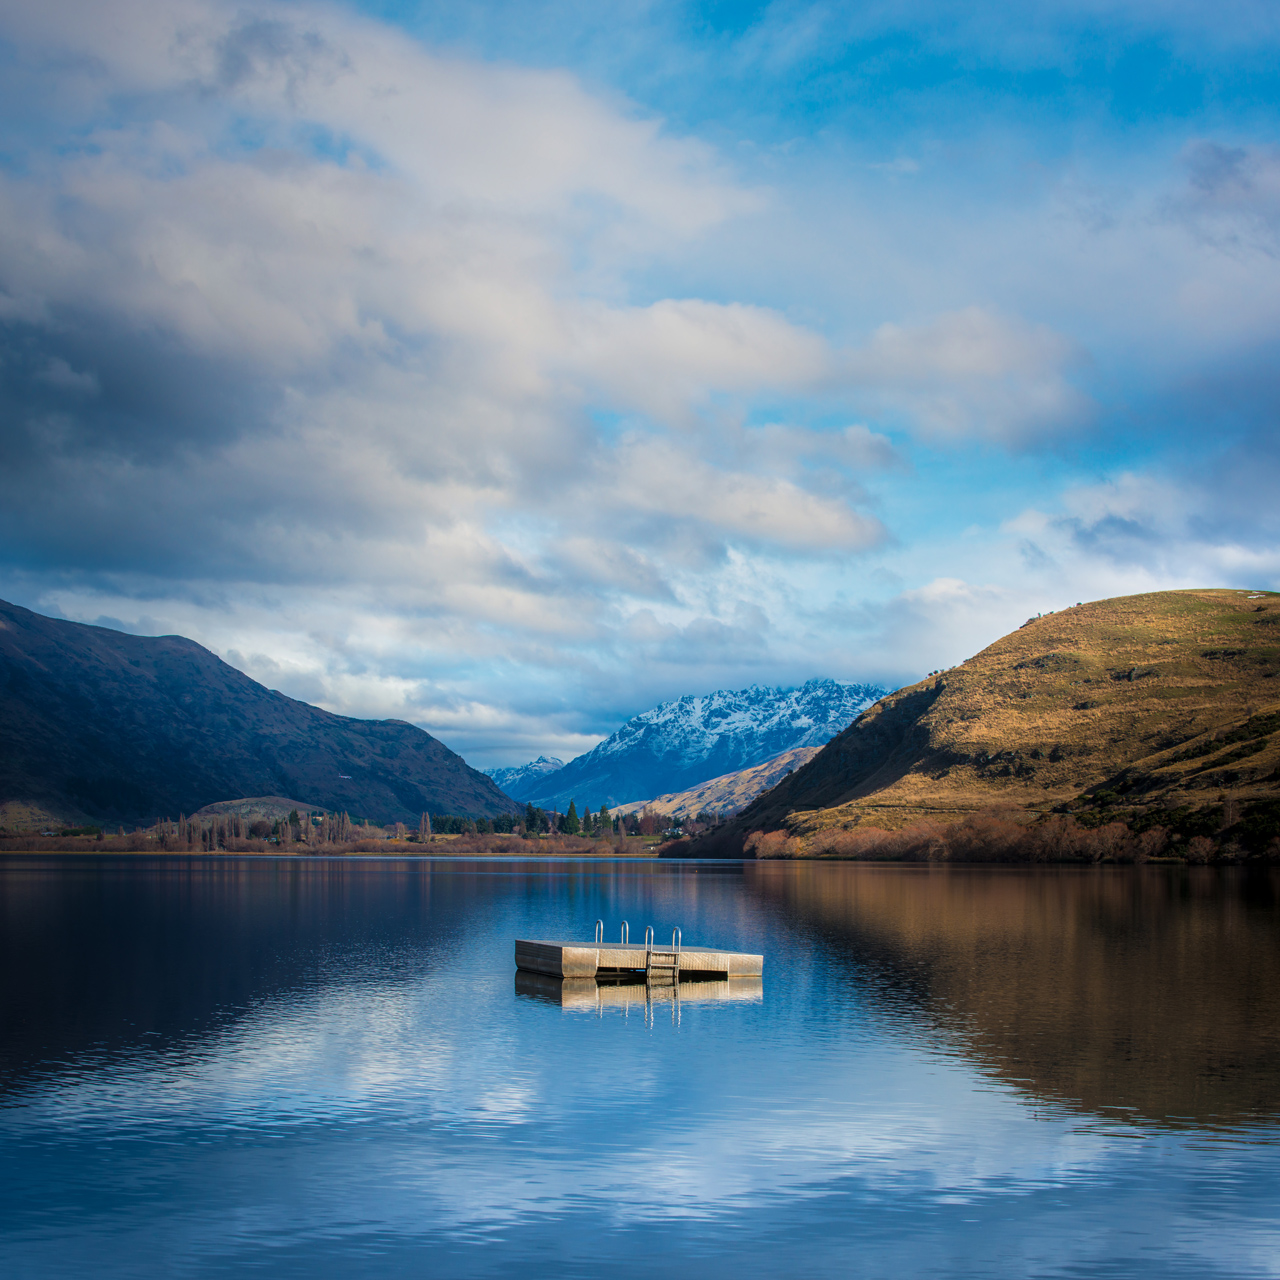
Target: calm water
{"points": [[330, 1069]]}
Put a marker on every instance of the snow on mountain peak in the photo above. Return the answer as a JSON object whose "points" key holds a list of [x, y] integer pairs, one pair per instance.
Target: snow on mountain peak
{"points": [[691, 739], [522, 776]]}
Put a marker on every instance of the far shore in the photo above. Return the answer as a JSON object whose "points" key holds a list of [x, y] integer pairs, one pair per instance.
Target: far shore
{"points": [[443, 846]]}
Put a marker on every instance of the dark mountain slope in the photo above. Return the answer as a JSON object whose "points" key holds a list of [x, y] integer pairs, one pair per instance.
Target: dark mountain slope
{"points": [[128, 728], [1163, 701]]}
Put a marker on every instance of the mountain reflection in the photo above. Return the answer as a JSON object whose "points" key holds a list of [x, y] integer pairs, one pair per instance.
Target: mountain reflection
{"points": [[101, 956], [98, 955], [1145, 991]]}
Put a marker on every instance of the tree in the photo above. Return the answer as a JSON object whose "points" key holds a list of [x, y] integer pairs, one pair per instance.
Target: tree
{"points": [[571, 824]]}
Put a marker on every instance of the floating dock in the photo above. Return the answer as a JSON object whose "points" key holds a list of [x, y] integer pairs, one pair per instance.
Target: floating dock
{"points": [[624, 959]]}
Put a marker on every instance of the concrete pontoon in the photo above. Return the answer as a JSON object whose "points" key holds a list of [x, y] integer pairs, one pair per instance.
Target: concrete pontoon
{"points": [[600, 959]]}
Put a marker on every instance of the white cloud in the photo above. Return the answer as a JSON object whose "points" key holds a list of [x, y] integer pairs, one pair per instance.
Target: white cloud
{"points": [[356, 359], [356, 355], [973, 373], [667, 480], [667, 358]]}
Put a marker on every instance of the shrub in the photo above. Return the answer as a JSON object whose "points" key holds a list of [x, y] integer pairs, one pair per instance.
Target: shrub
{"points": [[997, 836]]}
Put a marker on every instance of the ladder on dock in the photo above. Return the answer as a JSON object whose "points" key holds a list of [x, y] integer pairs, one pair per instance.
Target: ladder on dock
{"points": [[662, 965]]}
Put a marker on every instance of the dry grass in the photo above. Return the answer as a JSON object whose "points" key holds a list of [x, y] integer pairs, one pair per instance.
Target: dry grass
{"points": [[1125, 696], [996, 836], [731, 791]]}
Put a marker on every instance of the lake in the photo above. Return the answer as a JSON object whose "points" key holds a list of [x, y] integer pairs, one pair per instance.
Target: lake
{"points": [[312, 1067]]}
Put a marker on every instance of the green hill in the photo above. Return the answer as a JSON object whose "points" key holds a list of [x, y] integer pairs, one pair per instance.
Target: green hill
{"points": [[1152, 710]]}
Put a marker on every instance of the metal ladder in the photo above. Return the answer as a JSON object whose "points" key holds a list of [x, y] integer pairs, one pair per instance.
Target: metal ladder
{"points": [[662, 965]]}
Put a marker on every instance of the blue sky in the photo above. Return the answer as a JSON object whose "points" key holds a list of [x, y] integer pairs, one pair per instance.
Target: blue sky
{"points": [[508, 368]]}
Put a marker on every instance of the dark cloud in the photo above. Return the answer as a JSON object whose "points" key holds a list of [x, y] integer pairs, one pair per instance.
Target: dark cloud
{"points": [[260, 47], [1232, 198]]}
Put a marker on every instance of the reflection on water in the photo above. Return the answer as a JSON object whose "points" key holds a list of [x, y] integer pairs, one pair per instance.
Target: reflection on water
{"points": [[588, 995], [1147, 991], [331, 1069]]}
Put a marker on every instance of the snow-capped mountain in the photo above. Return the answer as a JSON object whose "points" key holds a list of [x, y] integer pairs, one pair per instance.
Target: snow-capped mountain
{"points": [[693, 739], [530, 777]]}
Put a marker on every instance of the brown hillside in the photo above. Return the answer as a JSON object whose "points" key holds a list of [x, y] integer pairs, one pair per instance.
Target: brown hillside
{"points": [[729, 792], [1164, 700]]}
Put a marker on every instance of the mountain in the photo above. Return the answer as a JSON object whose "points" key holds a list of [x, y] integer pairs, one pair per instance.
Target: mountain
{"points": [[96, 723], [1152, 709], [682, 743], [518, 780], [729, 792]]}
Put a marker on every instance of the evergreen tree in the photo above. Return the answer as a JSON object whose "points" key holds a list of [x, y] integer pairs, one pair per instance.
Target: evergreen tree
{"points": [[571, 824], [530, 819]]}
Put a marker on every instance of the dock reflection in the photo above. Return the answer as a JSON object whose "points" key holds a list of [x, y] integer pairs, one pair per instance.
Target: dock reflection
{"points": [[586, 995]]}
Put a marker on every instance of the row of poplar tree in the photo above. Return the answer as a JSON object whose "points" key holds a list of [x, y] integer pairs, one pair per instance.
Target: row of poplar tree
{"points": [[221, 832]]}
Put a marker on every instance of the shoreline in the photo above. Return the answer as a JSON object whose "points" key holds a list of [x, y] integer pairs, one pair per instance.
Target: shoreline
{"points": [[1239, 862]]}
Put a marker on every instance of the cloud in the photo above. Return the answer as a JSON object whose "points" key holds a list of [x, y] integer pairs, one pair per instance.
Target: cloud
{"points": [[1154, 530], [972, 373], [391, 329], [666, 481], [447, 388], [666, 358], [303, 319], [1233, 196]]}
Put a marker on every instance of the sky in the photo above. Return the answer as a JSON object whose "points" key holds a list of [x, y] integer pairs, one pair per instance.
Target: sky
{"points": [[509, 368]]}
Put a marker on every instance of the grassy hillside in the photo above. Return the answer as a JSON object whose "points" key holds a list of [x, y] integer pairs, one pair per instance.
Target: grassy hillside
{"points": [[1160, 708], [729, 792]]}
